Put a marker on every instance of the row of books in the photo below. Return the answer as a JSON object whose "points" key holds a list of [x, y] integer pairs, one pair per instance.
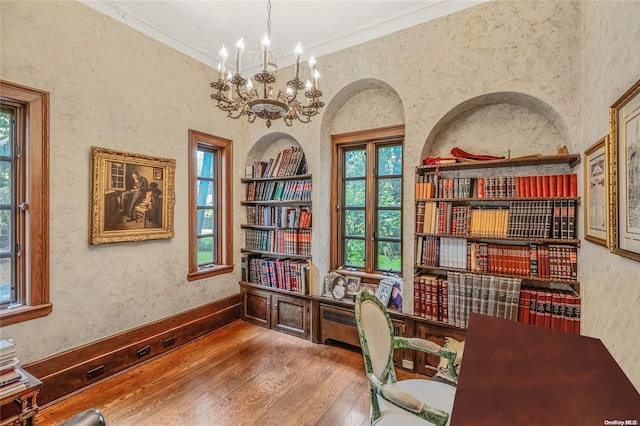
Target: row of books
{"points": [[550, 308], [12, 377], [292, 190], [285, 274], [452, 299], [522, 219], [289, 162], [538, 186], [287, 241], [282, 217], [534, 260]]}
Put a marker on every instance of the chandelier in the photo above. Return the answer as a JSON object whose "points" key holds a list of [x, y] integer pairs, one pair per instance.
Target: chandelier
{"points": [[237, 97]]}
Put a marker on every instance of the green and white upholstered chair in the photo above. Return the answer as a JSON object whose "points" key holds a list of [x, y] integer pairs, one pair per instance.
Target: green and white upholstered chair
{"points": [[405, 402]]}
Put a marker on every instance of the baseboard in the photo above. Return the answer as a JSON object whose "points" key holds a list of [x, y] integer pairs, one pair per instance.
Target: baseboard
{"points": [[67, 372]]}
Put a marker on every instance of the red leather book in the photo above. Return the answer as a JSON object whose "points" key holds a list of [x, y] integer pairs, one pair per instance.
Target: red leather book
{"points": [[526, 186], [573, 185], [570, 302], [546, 188], [563, 309], [547, 309], [555, 310], [559, 186], [553, 185], [523, 306], [566, 186], [533, 303], [416, 296], [433, 288], [533, 183], [540, 309], [576, 316], [539, 189], [444, 288]]}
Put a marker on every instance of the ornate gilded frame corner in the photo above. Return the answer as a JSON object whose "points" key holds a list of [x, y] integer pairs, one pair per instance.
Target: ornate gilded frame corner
{"points": [[594, 155], [111, 178], [623, 113]]}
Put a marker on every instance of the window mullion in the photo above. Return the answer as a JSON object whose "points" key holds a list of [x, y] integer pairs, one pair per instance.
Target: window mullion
{"points": [[370, 208]]}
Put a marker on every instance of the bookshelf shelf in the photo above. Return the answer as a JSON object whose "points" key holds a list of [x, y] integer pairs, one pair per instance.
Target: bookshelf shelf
{"points": [[276, 178], [249, 226], [276, 254], [470, 227], [277, 203], [574, 241], [572, 160]]}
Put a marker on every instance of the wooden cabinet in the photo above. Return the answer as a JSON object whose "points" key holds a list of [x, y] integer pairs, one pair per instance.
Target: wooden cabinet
{"points": [[427, 364], [289, 314]]}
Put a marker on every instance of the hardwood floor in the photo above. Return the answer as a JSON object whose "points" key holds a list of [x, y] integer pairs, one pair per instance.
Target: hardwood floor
{"points": [[241, 374]]}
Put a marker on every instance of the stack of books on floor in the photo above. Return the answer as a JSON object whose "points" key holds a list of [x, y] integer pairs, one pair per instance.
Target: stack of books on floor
{"points": [[12, 377]]}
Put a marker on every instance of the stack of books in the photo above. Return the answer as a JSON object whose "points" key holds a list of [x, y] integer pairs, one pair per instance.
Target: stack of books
{"points": [[12, 377]]}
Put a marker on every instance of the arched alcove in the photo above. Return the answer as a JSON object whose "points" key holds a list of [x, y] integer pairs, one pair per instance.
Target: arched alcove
{"points": [[502, 123], [269, 145]]}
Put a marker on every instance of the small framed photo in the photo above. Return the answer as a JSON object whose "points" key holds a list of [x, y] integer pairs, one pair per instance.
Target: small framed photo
{"points": [[384, 291], [353, 285], [595, 193], [157, 174], [369, 288]]}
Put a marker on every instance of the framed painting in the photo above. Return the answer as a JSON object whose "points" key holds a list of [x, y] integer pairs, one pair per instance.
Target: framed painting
{"points": [[132, 196], [624, 174], [353, 285], [595, 193]]}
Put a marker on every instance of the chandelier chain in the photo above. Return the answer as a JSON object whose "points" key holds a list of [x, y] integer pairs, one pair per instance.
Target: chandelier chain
{"points": [[269, 18]]}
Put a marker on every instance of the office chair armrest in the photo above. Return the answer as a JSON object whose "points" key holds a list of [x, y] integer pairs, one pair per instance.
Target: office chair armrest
{"points": [[429, 347]]}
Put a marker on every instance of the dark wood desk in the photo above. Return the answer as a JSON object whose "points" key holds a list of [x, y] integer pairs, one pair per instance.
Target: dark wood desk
{"points": [[25, 404], [519, 374]]}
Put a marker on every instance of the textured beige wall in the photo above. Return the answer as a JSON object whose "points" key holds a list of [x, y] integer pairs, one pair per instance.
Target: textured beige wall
{"points": [[610, 284], [111, 87], [97, 68]]}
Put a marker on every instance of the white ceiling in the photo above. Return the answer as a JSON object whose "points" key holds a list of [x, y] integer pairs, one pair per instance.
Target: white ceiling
{"points": [[200, 28]]}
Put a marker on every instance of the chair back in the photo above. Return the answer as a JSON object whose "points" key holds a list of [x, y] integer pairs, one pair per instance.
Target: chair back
{"points": [[376, 336]]}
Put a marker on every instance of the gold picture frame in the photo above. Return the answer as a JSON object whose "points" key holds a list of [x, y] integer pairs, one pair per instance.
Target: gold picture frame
{"points": [[595, 192], [623, 152], [127, 202]]}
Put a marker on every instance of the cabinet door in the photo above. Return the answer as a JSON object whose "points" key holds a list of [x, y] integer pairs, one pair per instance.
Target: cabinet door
{"points": [[428, 364], [257, 307], [290, 315]]}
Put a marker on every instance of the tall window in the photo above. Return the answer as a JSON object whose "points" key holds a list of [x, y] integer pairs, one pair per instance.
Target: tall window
{"points": [[24, 203], [210, 200], [367, 195]]}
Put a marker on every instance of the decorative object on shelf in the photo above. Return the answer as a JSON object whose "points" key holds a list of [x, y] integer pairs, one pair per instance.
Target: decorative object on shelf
{"points": [[236, 96], [595, 193], [372, 289], [353, 285], [328, 283], [384, 290], [466, 156], [128, 202], [339, 287], [624, 174]]}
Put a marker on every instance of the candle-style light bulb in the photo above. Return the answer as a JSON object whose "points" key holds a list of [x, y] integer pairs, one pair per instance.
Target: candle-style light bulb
{"points": [[298, 53], [308, 85], [316, 76], [289, 91], [249, 85], [312, 63], [220, 73], [265, 50], [239, 50], [224, 55]]}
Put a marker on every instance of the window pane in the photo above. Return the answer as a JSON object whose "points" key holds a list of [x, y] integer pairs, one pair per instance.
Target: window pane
{"points": [[390, 160], [6, 226], [388, 224], [354, 223], [355, 163], [205, 250], [390, 192], [206, 222], [206, 164], [205, 193], [5, 132], [5, 182], [389, 256], [355, 193], [354, 252]]}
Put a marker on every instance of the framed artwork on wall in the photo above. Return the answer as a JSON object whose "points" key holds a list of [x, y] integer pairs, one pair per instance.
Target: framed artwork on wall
{"points": [[353, 285], [595, 193], [132, 196], [624, 174]]}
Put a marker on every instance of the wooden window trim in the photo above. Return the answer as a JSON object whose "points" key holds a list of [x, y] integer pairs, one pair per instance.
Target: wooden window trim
{"points": [[225, 203], [339, 142], [36, 288]]}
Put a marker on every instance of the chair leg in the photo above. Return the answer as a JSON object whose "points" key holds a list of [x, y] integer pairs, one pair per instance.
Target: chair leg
{"points": [[375, 407]]}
